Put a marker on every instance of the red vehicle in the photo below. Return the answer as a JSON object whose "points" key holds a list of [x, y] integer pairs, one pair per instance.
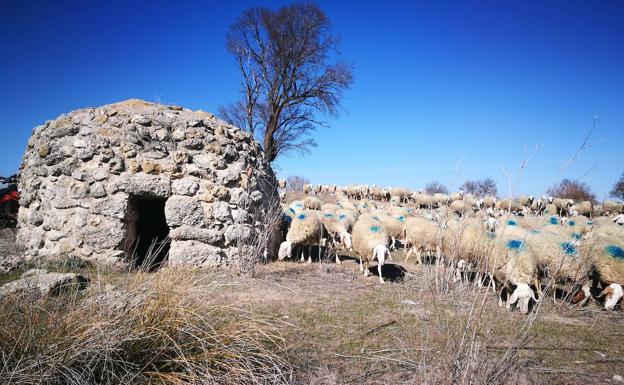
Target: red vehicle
{"points": [[9, 201]]}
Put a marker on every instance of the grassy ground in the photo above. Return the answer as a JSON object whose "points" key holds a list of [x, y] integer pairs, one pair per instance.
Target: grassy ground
{"points": [[338, 327]]}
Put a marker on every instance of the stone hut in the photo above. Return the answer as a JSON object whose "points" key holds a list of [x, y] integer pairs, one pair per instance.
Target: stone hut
{"points": [[127, 181]]}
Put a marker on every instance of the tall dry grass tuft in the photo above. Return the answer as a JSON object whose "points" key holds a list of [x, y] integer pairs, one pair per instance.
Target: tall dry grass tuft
{"points": [[157, 328]]}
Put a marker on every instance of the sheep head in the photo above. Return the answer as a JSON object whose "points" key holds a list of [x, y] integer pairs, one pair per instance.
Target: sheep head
{"points": [[285, 251], [380, 252], [523, 296], [345, 239], [491, 224], [613, 293]]}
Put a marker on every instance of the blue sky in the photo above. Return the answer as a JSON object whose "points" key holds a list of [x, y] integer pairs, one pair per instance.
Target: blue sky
{"points": [[443, 90]]}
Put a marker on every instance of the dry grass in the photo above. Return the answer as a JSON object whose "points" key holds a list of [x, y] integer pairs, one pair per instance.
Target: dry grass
{"points": [[147, 329]]}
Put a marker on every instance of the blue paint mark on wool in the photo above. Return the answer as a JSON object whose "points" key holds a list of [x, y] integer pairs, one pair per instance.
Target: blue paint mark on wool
{"points": [[590, 222], [514, 244], [571, 223], [511, 223], [615, 251], [375, 229], [339, 204], [576, 236], [375, 218], [290, 210], [401, 218], [568, 248], [342, 216], [535, 231], [554, 221], [329, 215], [301, 216]]}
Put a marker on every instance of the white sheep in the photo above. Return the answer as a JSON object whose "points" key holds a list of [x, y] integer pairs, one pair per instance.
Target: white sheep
{"points": [[612, 207], [618, 219], [512, 264], [394, 226], [608, 258], [422, 236], [457, 196], [337, 233], [370, 242], [312, 203], [306, 229], [459, 207]]}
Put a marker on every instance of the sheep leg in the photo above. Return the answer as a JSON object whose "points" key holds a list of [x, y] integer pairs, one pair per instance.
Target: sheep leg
{"points": [[310, 254], [538, 285], [392, 245], [361, 268], [554, 294], [302, 259], [338, 259], [366, 268], [492, 282], [409, 252], [379, 265], [419, 257]]}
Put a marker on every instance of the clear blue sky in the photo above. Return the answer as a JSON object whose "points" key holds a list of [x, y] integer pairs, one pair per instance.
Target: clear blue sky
{"points": [[443, 90]]}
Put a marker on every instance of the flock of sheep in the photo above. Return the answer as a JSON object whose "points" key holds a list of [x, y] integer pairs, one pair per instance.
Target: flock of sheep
{"points": [[514, 245]]}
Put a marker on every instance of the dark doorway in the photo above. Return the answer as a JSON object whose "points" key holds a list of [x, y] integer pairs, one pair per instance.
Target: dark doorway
{"points": [[147, 243]]}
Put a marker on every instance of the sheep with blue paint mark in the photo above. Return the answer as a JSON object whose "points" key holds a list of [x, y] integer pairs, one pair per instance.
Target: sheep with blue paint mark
{"points": [[514, 266], [296, 206], [560, 258], [306, 230], [337, 234], [370, 242], [607, 254], [394, 226], [347, 218]]}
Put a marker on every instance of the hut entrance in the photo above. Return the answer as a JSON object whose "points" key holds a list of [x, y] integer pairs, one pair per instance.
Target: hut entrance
{"points": [[147, 243]]}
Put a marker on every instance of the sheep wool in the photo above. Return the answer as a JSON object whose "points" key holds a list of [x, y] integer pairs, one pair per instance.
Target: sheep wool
{"points": [[312, 203], [608, 257], [612, 207], [306, 229], [370, 241], [459, 207]]}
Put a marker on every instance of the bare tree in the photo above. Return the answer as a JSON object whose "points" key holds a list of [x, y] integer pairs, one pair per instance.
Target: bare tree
{"points": [[487, 186], [295, 183], [572, 189], [482, 187], [618, 188], [283, 57], [436, 187], [470, 187]]}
